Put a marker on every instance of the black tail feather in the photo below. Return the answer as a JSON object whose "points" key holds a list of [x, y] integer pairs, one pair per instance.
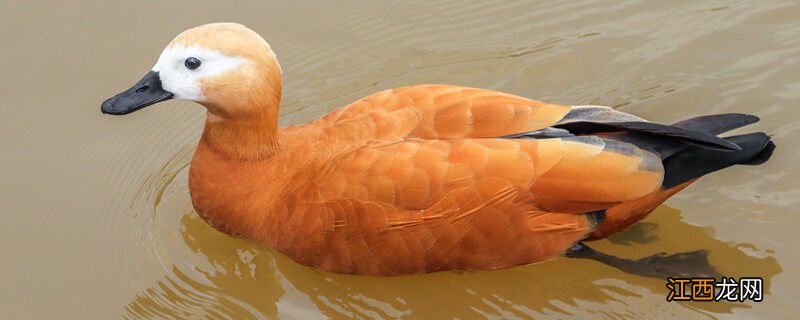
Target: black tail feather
{"points": [[694, 162], [649, 130], [717, 123], [711, 125], [761, 157]]}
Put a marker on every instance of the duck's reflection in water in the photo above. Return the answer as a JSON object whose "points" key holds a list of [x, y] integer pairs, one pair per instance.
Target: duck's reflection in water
{"points": [[246, 280]]}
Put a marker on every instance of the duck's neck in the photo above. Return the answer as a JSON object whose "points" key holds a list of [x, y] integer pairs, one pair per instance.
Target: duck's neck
{"points": [[250, 140], [244, 128]]}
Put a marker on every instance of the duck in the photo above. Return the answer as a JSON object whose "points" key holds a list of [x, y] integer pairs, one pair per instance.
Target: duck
{"points": [[429, 177]]}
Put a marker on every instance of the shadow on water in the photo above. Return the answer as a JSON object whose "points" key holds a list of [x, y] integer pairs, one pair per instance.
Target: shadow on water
{"points": [[212, 275]]}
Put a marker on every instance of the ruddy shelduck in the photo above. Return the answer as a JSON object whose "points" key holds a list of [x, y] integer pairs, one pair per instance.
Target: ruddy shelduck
{"points": [[425, 178]]}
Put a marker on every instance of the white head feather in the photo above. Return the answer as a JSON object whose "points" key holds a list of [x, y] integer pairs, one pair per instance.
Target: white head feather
{"points": [[183, 82]]}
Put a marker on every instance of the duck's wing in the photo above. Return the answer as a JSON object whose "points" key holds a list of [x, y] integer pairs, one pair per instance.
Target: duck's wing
{"points": [[561, 173]]}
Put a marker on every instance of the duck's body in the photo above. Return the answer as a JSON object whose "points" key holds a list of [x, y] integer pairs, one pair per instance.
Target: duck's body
{"points": [[373, 189], [433, 177]]}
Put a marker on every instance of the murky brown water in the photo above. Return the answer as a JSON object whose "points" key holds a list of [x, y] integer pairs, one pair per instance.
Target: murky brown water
{"points": [[97, 222]]}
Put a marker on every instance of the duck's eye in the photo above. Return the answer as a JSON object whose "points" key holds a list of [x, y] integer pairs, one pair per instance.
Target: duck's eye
{"points": [[192, 63]]}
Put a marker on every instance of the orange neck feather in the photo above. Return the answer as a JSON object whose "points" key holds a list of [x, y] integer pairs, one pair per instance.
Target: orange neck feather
{"points": [[242, 120]]}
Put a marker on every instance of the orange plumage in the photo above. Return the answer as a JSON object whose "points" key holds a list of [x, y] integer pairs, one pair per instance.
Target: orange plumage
{"points": [[408, 180]]}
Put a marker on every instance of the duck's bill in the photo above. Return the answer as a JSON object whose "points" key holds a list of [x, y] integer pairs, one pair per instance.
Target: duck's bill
{"points": [[146, 92]]}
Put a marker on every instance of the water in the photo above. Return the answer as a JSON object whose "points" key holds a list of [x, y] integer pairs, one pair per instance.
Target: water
{"points": [[97, 221]]}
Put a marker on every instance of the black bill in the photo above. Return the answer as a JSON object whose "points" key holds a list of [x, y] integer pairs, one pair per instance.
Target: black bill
{"points": [[146, 92]]}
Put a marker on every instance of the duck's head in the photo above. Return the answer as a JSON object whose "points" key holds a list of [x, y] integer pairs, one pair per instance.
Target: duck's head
{"points": [[226, 67]]}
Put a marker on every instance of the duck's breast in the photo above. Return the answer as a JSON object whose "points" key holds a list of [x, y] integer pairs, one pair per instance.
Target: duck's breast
{"points": [[231, 196]]}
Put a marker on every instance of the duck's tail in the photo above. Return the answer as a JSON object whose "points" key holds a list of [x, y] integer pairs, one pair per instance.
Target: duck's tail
{"points": [[694, 162], [686, 161], [690, 148]]}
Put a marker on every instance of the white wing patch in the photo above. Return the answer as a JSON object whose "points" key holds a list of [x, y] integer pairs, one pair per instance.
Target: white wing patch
{"points": [[598, 114], [184, 83]]}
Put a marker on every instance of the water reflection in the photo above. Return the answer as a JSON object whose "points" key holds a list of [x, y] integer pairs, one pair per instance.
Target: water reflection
{"points": [[211, 275]]}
